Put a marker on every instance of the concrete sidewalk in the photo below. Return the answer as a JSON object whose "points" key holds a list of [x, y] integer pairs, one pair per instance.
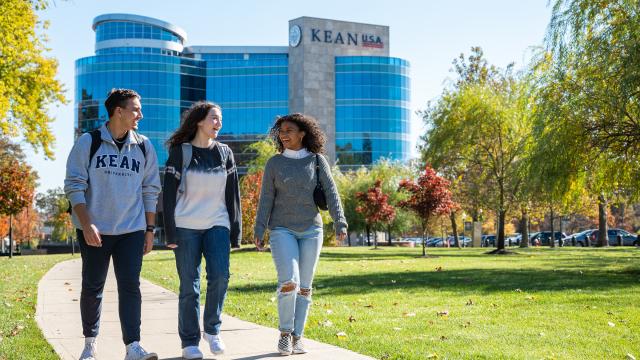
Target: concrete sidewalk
{"points": [[58, 315]]}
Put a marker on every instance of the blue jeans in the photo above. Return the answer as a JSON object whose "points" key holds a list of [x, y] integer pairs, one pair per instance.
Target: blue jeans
{"points": [[295, 255], [214, 244], [126, 251]]}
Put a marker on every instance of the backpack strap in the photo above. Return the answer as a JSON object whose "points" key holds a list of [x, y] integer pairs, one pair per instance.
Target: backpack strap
{"points": [[140, 143], [96, 141]]}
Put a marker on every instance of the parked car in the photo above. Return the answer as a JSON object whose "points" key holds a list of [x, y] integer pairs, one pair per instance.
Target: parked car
{"points": [[489, 240], [627, 238], [542, 238], [580, 238], [433, 241]]}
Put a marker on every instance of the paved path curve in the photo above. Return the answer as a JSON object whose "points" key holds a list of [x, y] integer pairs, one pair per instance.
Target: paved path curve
{"points": [[58, 315]]}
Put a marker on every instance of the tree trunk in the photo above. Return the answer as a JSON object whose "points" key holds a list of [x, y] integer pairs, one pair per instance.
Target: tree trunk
{"points": [[375, 239], [501, 215], [524, 224], [552, 238], [424, 240], [389, 234], [10, 236], [454, 226], [368, 236], [349, 238], [602, 221]]}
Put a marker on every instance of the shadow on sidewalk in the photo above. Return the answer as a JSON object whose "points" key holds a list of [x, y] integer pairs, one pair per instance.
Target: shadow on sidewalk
{"points": [[254, 357]]}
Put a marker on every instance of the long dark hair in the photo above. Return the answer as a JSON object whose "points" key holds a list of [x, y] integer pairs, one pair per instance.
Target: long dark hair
{"points": [[313, 139], [190, 119]]}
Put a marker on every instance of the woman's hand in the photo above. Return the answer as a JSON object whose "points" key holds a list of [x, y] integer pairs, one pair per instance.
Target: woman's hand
{"points": [[259, 244]]}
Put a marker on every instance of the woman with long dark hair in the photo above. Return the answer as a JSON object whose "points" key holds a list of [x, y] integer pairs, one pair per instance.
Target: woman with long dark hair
{"points": [[201, 203], [287, 208]]}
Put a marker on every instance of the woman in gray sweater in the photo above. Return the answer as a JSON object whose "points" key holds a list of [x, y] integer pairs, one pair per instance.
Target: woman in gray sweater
{"points": [[288, 210]]}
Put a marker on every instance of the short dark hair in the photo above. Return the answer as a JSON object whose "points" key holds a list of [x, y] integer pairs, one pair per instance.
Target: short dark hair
{"points": [[119, 98]]}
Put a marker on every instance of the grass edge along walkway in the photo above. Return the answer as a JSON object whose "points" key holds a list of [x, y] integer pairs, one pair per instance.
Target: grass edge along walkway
{"points": [[20, 336]]}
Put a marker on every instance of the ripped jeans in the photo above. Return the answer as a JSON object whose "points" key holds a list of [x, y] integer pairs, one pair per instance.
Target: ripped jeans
{"points": [[295, 255]]}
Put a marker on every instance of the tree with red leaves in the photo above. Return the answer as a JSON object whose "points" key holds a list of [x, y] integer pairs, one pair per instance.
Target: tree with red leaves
{"points": [[17, 187], [250, 185], [428, 196], [374, 206]]}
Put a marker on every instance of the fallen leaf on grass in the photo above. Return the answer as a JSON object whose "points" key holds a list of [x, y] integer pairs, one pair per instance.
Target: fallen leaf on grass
{"points": [[325, 323], [470, 302], [443, 338], [494, 305], [393, 281], [369, 306], [466, 324], [397, 328], [408, 314], [518, 290], [329, 311], [541, 334], [530, 298], [611, 324], [439, 268], [341, 335], [7, 304], [443, 313], [630, 357], [395, 304], [351, 318], [433, 356], [16, 330], [272, 299]]}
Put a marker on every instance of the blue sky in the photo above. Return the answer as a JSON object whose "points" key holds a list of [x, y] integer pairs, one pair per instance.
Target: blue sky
{"points": [[430, 34]]}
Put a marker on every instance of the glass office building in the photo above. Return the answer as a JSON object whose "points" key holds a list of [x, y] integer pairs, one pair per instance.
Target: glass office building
{"points": [[343, 76]]}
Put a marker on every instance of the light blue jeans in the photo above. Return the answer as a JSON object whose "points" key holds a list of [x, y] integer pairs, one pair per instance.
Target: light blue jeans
{"points": [[295, 255]]}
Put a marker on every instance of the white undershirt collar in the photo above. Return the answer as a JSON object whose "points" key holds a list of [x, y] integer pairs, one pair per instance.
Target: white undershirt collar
{"points": [[296, 154]]}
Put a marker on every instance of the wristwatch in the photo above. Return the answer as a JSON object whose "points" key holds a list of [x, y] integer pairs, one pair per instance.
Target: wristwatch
{"points": [[151, 229]]}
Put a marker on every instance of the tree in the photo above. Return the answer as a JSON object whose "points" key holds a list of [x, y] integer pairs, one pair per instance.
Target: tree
{"points": [[484, 127], [263, 151], [589, 98], [27, 76], [429, 196], [250, 185], [375, 208], [53, 206], [17, 186]]}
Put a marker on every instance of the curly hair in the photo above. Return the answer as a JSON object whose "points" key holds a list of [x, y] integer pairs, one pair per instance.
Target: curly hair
{"points": [[314, 139], [189, 126]]}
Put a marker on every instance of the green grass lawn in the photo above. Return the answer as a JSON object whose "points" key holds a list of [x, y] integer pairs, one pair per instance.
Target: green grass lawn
{"points": [[540, 304], [20, 337]]}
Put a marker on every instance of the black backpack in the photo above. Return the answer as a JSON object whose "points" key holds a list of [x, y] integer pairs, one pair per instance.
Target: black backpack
{"points": [[96, 141]]}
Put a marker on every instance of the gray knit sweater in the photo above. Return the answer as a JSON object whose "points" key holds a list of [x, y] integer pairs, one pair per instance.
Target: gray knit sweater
{"points": [[286, 198]]}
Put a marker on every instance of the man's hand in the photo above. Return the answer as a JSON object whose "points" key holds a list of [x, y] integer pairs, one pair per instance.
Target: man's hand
{"points": [[259, 244], [342, 235], [92, 235], [148, 242]]}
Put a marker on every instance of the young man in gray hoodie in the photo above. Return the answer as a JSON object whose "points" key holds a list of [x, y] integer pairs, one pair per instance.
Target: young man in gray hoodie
{"points": [[113, 183]]}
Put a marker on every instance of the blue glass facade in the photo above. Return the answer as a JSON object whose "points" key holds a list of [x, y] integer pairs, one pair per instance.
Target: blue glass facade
{"points": [[372, 110], [251, 85], [252, 90]]}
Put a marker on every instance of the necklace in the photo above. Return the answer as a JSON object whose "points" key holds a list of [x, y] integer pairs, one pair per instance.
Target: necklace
{"points": [[124, 137]]}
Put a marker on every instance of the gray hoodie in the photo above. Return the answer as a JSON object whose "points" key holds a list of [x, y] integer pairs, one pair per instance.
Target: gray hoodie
{"points": [[118, 186]]}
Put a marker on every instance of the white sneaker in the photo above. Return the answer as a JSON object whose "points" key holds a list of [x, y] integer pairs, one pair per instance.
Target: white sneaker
{"points": [[298, 345], [136, 352], [191, 353], [216, 345], [90, 351]]}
